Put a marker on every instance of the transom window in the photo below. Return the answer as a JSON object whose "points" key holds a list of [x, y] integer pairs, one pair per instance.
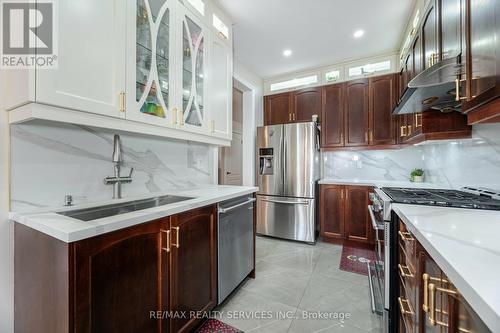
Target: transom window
{"points": [[297, 82]]}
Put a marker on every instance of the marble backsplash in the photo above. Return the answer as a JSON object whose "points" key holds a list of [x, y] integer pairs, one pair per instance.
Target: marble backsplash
{"points": [[50, 160], [473, 162]]}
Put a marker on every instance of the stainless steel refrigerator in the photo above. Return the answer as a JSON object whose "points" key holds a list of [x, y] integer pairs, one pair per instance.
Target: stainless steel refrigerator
{"points": [[287, 174]]}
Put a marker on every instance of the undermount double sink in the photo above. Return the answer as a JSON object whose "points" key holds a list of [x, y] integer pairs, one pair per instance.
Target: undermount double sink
{"points": [[94, 213]]}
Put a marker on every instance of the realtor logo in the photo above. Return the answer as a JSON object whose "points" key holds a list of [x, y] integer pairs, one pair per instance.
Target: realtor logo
{"points": [[29, 34]]}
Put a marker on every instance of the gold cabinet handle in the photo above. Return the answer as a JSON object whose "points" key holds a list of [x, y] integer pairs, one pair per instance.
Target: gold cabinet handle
{"points": [[405, 311], [371, 135], [406, 236], [342, 138], [341, 194], [366, 136], [293, 116], [410, 129], [405, 271], [403, 131], [177, 232], [417, 123], [425, 306], [458, 98], [174, 116], [432, 305], [122, 101], [432, 288], [167, 232], [289, 117]]}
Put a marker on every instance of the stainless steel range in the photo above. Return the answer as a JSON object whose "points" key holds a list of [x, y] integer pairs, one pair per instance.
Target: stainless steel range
{"points": [[383, 273]]}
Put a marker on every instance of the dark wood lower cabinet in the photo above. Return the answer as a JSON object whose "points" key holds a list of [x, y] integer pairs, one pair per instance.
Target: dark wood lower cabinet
{"points": [[358, 223], [428, 300], [332, 205], [344, 213], [130, 280], [193, 267], [120, 279]]}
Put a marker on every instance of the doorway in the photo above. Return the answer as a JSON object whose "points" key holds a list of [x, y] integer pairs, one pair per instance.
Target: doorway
{"points": [[231, 158]]}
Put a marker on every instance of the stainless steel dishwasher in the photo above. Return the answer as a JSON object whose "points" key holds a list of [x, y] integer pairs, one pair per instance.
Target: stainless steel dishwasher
{"points": [[235, 244]]}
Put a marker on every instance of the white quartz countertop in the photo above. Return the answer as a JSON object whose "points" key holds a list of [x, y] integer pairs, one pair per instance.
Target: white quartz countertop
{"points": [[380, 183], [70, 230], [465, 243]]}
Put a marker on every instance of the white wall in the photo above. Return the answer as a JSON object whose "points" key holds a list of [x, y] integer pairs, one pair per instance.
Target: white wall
{"points": [[6, 228], [252, 100]]}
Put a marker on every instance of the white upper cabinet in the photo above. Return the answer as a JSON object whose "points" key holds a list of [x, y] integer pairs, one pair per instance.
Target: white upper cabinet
{"points": [[150, 62], [90, 76], [148, 66], [221, 87], [193, 72]]}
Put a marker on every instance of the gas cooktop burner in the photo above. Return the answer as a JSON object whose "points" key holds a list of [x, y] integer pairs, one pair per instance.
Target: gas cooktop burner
{"points": [[468, 198]]}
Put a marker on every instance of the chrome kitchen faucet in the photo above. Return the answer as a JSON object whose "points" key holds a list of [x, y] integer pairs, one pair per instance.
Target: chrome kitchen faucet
{"points": [[117, 180]]}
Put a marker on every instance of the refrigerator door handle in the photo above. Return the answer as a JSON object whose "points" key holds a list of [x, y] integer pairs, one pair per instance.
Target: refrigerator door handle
{"points": [[284, 161], [287, 202]]}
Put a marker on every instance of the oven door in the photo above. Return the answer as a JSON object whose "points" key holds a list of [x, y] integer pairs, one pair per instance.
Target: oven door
{"points": [[376, 268]]}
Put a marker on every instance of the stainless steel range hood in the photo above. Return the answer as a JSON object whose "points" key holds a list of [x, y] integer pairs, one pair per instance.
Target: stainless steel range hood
{"points": [[433, 89]]}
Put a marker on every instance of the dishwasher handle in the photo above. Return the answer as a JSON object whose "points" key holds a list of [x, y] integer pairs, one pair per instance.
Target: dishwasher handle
{"points": [[227, 210]]}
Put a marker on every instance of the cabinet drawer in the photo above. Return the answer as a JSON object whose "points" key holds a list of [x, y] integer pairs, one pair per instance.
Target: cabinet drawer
{"points": [[407, 311], [408, 281], [408, 245]]}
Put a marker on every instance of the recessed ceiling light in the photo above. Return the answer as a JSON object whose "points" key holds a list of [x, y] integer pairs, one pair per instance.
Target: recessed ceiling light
{"points": [[287, 53], [359, 33]]}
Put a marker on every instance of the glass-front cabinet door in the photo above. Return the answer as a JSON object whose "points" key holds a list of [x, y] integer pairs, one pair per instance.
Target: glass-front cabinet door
{"points": [[150, 62], [193, 73]]}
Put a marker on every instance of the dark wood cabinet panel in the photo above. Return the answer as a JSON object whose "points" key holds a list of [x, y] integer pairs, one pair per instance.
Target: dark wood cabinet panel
{"points": [[306, 103], [343, 211], [450, 33], [429, 37], [382, 100], [193, 266], [356, 215], [332, 211], [483, 53], [417, 57], [332, 116], [356, 113], [278, 109], [119, 280]]}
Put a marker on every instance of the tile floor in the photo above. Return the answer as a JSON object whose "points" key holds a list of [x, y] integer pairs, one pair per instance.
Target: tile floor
{"points": [[296, 282]]}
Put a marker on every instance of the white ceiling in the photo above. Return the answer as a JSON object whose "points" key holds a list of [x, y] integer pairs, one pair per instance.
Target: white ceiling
{"points": [[319, 32]]}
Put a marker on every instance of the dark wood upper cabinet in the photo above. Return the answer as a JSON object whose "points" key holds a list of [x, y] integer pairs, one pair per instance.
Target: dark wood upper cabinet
{"points": [[306, 103], [382, 100], [332, 116], [429, 37], [332, 211], [356, 113], [278, 109], [119, 278], [417, 57], [451, 20], [483, 53], [193, 266], [357, 220]]}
